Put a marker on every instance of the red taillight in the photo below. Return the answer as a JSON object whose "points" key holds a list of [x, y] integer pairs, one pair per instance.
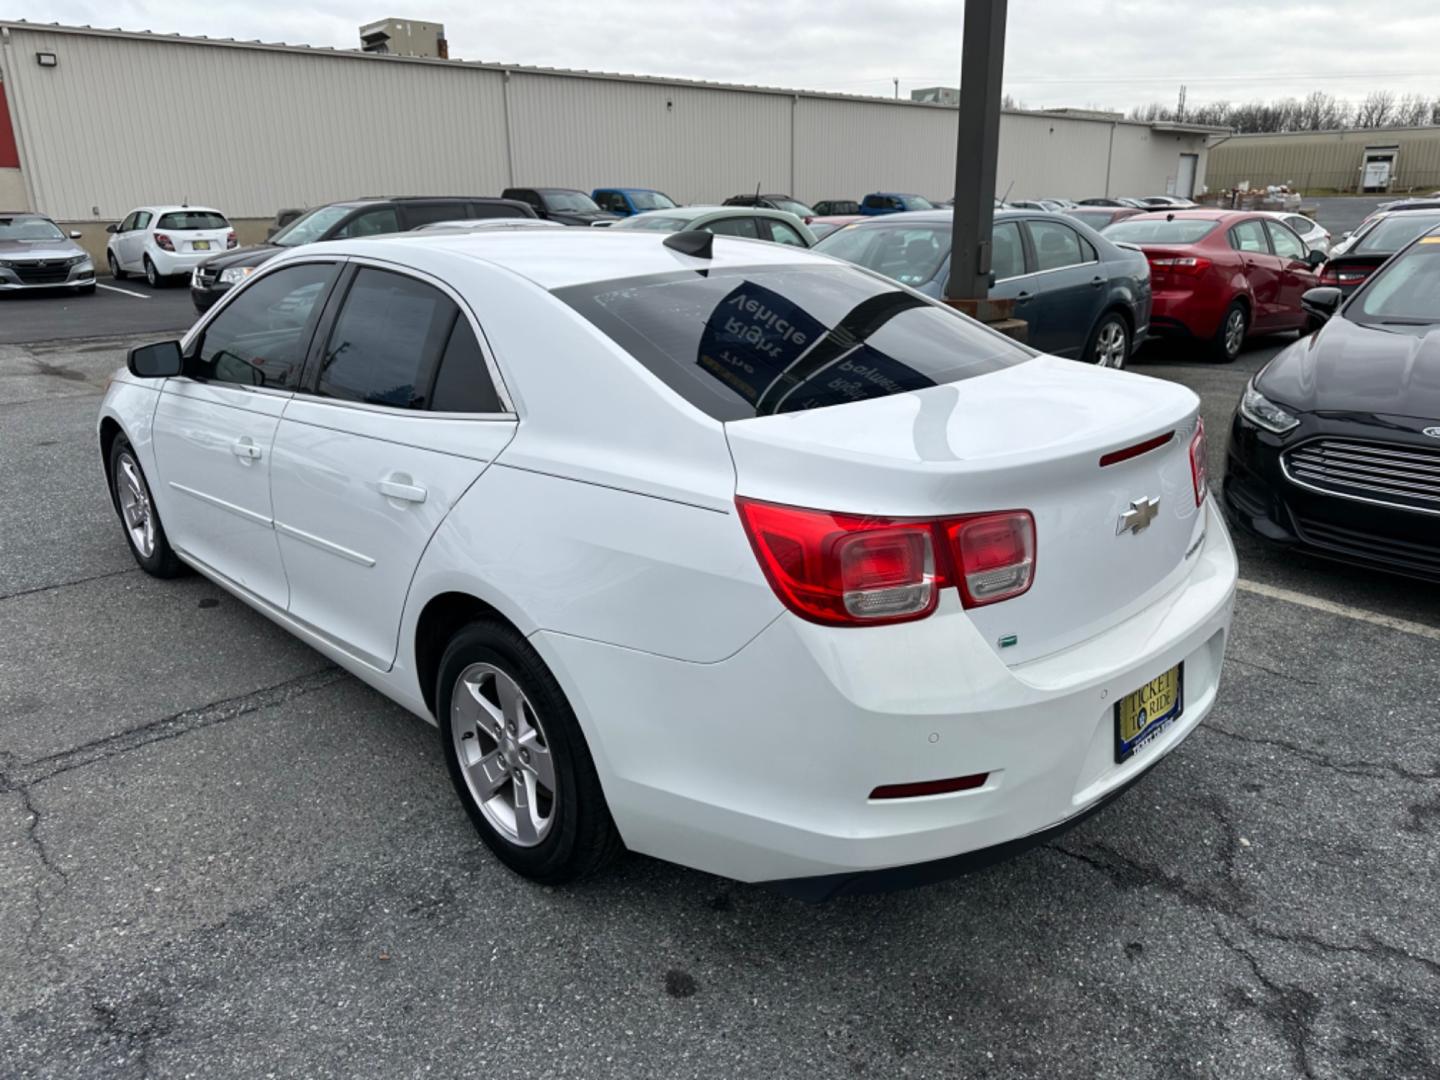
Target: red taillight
{"points": [[163, 242], [1199, 470], [231, 240], [1344, 275], [849, 570], [1114, 457], [994, 555], [1188, 264], [930, 787]]}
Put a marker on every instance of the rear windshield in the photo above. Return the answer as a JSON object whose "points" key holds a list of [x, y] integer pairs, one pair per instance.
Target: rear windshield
{"points": [[790, 206], [656, 222], [1096, 219], [747, 342], [910, 254], [1178, 231], [1406, 292], [1395, 232], [181, 220]]}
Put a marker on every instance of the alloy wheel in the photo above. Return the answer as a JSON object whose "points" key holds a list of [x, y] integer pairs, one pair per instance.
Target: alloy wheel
{"points": [[1234, 332], [503, 754], [1111, 346], [135, 509], [152, 276]]}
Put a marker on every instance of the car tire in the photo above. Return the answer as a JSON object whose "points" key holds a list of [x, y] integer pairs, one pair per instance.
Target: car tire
{"points": [[518, 759], [1230, 338], [116, 270], [153, 277], [130, 491], [1109, 344]]}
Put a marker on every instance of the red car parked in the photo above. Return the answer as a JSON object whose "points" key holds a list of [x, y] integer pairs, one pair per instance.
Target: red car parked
{"points": [[1219, 276]]}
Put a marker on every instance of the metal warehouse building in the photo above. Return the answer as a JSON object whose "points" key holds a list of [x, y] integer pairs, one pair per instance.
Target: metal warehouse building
{"points": [[104, 120], [1374, 159]]}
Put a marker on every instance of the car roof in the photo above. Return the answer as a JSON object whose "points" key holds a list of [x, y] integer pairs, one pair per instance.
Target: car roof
{"points": [[557, 258], [653, 191], [692, 213], [174, 209], [899, 194]]}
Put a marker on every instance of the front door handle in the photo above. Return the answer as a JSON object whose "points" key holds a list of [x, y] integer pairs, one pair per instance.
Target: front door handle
{"points": [[1097, 281], [399, 485], [1021, 298], [245, 449]]}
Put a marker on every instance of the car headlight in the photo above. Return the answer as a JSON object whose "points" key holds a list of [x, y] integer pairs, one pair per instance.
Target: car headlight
{"points": [[235, 274], [1260, 410], [79, 260]]}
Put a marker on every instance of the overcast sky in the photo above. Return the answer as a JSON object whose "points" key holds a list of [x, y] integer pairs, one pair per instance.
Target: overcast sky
{"points": [[1110, 53]]}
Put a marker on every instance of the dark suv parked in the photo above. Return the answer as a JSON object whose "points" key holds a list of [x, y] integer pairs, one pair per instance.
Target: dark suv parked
{"points": [[565, 205], [360, 217], [774, 202]]}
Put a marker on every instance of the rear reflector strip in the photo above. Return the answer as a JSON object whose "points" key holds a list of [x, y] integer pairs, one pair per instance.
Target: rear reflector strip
{"points": [[930, 787], [1114, 457]]}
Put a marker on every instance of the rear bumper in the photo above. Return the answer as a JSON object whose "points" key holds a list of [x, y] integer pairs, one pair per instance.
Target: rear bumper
{"points": [[170, 263], [1184, 313], [760, 767]]}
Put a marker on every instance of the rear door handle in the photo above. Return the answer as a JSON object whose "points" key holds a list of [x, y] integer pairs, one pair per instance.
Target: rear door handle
{"points": [[1020, 298], [1097, 281], [245, 449], [402, 486]]}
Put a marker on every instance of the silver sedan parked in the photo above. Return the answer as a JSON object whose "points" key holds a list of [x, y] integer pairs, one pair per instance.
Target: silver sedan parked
{"points": [[749, 222], [36, 254]]}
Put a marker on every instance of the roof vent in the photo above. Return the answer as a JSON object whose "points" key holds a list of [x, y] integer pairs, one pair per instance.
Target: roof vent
{"points": [[696, 242]]}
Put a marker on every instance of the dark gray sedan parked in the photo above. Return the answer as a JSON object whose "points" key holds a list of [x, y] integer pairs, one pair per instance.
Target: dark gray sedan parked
{"points": [[1082, 296]]}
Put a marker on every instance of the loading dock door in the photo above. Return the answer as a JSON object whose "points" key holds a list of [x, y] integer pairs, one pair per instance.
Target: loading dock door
{"points": [[1185, 181]]}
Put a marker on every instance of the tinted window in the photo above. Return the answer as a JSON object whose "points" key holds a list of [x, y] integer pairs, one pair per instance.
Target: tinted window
{"points": [[1249, 236], [741, 343], [611, 200], [261, 336], [782, 233], [180, 220], [497, 210], [573, 202], [874, 202], [463, 382], [385, 341], [1007, 256], [424, 213], [737, 226], [1287, 244], [1407, 290], [910, 255], [1178, 231], [1056, 245], [374, 223], [1394, 232]]}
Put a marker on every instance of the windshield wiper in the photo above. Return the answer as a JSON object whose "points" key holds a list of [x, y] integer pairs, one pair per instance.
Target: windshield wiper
{"points": [[1407, 322]]}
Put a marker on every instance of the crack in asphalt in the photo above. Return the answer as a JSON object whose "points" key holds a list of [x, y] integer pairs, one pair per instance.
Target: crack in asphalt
{"points": [[1369, 770], [68, 584], [1271, 671], [1289, 1009]]}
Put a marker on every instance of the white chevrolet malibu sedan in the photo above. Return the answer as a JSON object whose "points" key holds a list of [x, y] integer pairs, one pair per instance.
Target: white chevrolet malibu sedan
{"points": [[712, 549]]}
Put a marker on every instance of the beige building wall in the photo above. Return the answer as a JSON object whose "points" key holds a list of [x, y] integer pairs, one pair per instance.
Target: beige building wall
{"points": [[1327, 159], [12, 190]]}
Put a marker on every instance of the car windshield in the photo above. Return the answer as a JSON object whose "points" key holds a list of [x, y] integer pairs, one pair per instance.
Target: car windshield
{"points": [[754, 341], [184, 220], [1406, 291], [572, 202], [654, 222], [310, 227], [910, 254], [792, 206], [29, 228], [652, 200], [1161, 231], [1394, 232], [917, 202]]}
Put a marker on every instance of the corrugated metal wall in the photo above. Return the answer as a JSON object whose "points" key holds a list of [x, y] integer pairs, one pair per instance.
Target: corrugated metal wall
{"points": [[1332, 159], [124, 120]]}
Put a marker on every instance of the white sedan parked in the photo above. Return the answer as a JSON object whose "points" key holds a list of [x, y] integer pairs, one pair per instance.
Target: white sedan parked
{"points": [[163, 241], [1315, 235], [717, 550]]}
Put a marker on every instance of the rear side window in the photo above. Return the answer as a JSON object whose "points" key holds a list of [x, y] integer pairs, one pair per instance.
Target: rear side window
{"points": [[181, 220], [496, 210], [1176, 231], [741, 343], [1301, 225], [1056, 245], [1249, 236], [261, 337], [1007, 256], [463, 383], [737, 226], [417, 214], [386, 341], [782, 233]]}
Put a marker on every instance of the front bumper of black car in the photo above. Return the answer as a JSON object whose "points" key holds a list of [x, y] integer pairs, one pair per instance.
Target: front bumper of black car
{"points": [[1359, 527]]}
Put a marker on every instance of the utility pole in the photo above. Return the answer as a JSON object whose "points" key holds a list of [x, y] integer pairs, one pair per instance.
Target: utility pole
{"points": [[1180, 108], [977, 153], [897, 88]]}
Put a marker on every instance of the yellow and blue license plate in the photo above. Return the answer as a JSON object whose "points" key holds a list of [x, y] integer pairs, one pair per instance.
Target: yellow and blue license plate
{"points": [[1141, 716], [201, 245]]}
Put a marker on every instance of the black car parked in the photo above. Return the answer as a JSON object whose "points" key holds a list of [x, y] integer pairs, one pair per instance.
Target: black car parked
{"points": [[1081, 295], [836, 207], [362, 217], [1335, 445], [565, 205], [1385, 236]]}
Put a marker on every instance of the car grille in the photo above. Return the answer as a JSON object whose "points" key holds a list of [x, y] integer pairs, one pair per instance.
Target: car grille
{"points": [[1406, 555], [1399, 475], [43, 273]]}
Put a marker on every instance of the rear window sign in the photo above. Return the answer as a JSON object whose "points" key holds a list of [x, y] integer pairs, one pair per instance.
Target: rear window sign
{"points": [[752, 337]]}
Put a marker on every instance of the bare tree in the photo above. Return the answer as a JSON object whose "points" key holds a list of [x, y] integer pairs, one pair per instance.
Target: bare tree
{"points": [[1412, 110], [1375, 111]]}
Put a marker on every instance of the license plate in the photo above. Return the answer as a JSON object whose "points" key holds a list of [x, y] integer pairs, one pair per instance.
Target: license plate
{"points": [[200, 245], [1142, 715]]}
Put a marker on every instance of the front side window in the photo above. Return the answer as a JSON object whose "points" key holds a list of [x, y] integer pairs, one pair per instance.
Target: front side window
{"points": [[377, 222], [1287, 244], [129, 222], [386, 340], [1056, 245], [1249, 236], [261, 336], [185, 220], [612, 201], [740, 343], [142, 219], [736, 226], [1007, 255]]}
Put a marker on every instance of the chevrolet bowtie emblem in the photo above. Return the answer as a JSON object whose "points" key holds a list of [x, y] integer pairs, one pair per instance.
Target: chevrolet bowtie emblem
{"points": [[1138, 517]]}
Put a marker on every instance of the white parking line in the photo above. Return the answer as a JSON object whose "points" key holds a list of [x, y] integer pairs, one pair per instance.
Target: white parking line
{"points": [[127, 292], [1405, 626]]}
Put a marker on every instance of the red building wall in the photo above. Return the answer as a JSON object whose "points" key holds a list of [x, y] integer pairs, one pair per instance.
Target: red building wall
{"points": [[9, 152]]}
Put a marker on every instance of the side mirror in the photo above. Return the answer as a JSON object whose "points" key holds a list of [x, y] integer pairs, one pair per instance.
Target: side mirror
{"points": [[76, 234], [112, 228], [1315, 259], [162, 360], [1319, 304]]}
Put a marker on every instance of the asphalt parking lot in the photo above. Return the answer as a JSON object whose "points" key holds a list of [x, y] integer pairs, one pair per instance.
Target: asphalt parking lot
{"points": [[219, 856]]}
